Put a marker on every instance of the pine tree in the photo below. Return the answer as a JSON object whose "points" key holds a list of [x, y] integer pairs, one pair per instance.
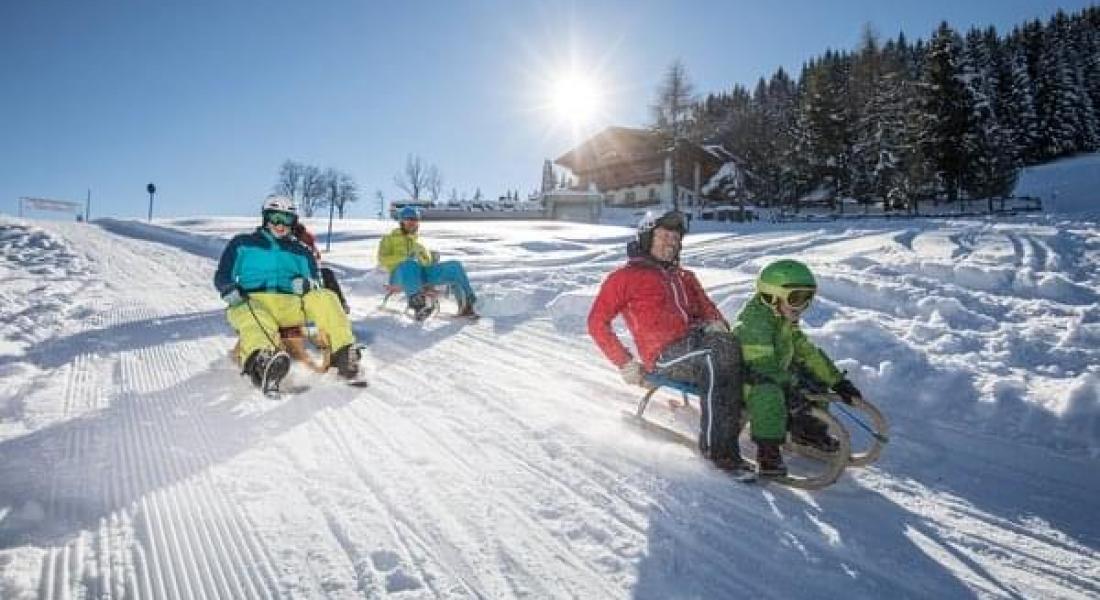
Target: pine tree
{"points": [[824, 123], [945, 118], [547, 176], [1056, 96], [990, 167], [1018, 108]]}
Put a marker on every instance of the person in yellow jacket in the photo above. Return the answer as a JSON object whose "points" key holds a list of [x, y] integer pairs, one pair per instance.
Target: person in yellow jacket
{"points": [[779, 360], [411, 266]]}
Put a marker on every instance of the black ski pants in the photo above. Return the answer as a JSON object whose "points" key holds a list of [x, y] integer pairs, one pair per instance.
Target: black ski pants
{"points": [[712, 362]]}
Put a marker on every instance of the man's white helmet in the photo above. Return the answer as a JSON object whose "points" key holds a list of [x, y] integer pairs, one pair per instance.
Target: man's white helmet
{"points": [[280, 203]]}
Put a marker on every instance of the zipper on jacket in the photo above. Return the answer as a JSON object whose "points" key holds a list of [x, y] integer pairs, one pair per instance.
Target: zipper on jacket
{"points": [[672, 283]]}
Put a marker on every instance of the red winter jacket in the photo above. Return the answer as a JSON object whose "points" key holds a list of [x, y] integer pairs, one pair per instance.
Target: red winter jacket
{"points": [[660, 305], [307, 239]]}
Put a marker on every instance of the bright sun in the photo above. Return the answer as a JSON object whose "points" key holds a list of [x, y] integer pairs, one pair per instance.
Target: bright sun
{"points": [[576, 99]]}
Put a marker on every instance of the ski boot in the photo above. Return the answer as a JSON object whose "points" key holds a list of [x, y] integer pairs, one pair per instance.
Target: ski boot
{"points": [[769, 460], [267, 368], [422, 309], [732, 464], [346, 361], [466, 308]]}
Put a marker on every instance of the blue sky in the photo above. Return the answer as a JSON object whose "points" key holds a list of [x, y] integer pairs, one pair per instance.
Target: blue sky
{"points": [[206, 98]]}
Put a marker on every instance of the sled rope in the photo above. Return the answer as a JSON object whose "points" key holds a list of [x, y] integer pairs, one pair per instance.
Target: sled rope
{"points": [[878, 436]]}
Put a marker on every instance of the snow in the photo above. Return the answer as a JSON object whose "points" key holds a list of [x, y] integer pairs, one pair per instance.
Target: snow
{"points": [[1070, 186], [489, 459]]}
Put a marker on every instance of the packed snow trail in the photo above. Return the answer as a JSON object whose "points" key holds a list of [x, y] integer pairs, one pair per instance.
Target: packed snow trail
{"points": [[488, 459]]}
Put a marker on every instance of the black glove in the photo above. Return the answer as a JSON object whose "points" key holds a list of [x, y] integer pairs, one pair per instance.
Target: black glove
{"points": [[796, 400], [847, 392]]}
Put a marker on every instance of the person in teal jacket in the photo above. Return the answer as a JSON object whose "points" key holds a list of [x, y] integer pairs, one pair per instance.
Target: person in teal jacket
{"points": [[269, 281], [778, 357]]}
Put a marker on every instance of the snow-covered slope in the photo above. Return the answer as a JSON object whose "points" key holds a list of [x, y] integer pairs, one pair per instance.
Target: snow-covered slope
{"points": [[489, 460], [1070, 186]]}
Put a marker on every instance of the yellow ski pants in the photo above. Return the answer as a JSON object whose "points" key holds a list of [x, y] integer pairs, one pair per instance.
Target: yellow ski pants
{"points": [[258, 319]]}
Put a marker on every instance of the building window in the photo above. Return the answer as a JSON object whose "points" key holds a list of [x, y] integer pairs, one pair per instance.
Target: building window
{"points": [[652, 193], [630, 197], [609, 197]]}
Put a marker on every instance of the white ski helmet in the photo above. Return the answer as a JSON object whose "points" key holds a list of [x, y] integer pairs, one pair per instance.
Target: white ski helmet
{"points": [[280, 203]]}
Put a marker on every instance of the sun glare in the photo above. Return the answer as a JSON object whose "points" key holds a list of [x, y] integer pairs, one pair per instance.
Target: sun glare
{"points": [[575, 99]]}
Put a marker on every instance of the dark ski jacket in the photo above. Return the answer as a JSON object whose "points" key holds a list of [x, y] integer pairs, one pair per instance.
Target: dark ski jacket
{"points": [[660, 304], [260, 262]]}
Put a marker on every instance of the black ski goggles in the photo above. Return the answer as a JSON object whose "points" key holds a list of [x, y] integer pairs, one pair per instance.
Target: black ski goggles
{"points": [[278, 217]]}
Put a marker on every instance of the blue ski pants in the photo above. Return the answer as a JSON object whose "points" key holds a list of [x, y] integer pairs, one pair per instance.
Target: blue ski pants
{"points": [[411, 276]]}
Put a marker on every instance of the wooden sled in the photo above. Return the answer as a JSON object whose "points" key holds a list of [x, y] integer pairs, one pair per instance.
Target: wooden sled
{"points": [[431, 295], [829, 466], [292, 340]]}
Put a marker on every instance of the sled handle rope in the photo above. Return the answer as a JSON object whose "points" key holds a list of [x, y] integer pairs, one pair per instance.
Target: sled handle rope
{"points": [[879, 428], [295, 348]]}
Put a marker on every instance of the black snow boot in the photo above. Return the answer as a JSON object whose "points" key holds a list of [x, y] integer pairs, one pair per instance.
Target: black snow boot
{"points": [[732, 464], [808, 430], [422, 309], [346, 361], [769, 460], [466, 307], [267, 368]]}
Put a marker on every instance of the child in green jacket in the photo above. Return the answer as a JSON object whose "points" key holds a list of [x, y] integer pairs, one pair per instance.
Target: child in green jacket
{"points": [[776, 356]]}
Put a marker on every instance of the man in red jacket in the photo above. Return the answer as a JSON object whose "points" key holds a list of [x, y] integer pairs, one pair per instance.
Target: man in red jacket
{"points": [[677, 330]]}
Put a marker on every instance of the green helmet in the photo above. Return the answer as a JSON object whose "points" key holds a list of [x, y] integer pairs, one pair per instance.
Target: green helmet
{"points": [[789, 281]]}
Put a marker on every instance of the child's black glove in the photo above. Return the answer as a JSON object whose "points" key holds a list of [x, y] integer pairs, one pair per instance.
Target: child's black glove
{"points": [[847, 392]]}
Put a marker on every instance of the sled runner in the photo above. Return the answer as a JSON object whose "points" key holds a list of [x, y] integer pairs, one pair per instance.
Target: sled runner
{"points": [[818, 469], [431, 300], [431, 295]]}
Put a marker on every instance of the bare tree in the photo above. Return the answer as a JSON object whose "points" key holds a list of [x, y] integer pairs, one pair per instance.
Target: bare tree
{"points": [[433, 183], [675, 97], [290, 179], [671, 115], [313, 190], [346, 192], [415, 179]]}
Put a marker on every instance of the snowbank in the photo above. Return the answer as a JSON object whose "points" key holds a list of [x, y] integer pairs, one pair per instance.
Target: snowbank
{"points": [[1070, 186]]}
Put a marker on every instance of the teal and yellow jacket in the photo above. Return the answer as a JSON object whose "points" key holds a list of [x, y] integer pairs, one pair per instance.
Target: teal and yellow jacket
{"points": [[397, 246], [774, 350], [260, 262]]}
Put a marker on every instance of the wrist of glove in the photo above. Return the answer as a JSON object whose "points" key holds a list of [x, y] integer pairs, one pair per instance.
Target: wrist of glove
{"points": [[300, 285], [716, 327], [633, 373], [847, 392], [234, 296]]}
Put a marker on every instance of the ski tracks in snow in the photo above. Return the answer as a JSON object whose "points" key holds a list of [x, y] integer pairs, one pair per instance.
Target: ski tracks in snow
{"points": [[130, 506], [488, 460]]}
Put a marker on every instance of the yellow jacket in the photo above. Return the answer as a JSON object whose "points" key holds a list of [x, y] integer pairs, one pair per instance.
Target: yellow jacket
{"points": [[397, 246]]}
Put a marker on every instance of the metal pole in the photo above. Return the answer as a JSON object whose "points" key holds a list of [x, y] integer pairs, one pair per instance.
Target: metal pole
{"points": [[331, 209], [150, 219], [672, 172], [88, 206]]}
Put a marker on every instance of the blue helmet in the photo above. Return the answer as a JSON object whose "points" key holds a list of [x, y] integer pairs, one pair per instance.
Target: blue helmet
{"points": [[408, 213]]}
